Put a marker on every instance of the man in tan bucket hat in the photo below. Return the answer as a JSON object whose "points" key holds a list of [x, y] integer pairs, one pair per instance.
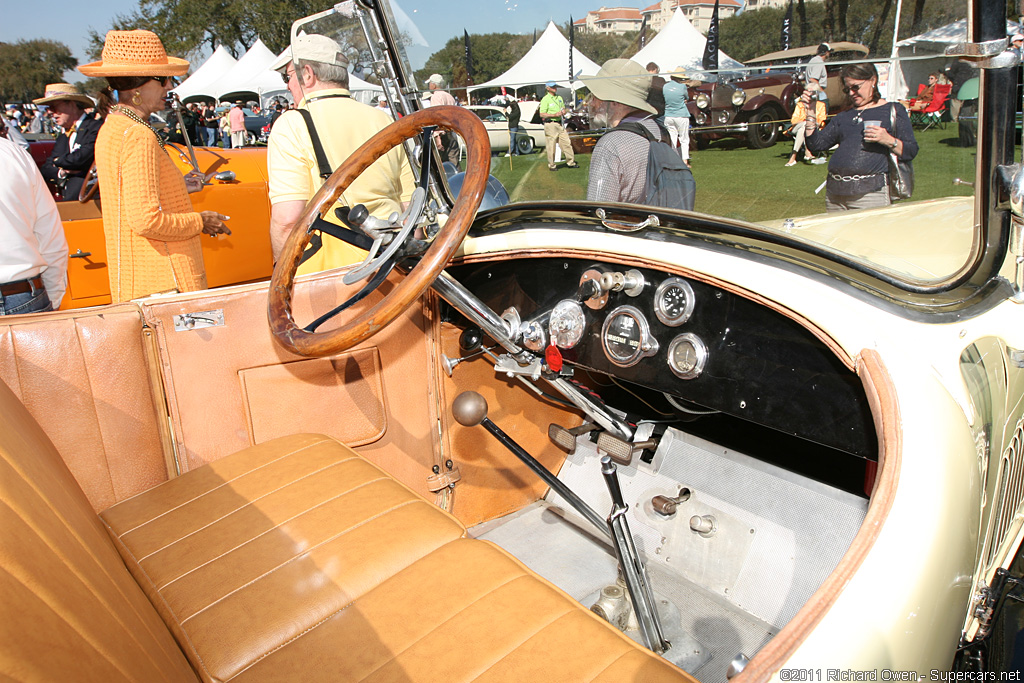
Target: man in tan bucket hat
{"points": [[74, 149]]}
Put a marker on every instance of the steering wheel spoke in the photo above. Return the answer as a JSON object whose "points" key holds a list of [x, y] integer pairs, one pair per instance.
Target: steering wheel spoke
{"points": [[361, 322]]}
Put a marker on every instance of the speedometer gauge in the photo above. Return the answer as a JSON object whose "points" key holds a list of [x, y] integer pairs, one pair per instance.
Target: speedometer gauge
{"points": [[626, 336], [673, 301], [565, 326]]}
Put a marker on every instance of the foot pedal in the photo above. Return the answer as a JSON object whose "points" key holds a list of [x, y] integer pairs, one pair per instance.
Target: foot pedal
{"points": [[622, 451], [566, 438]]}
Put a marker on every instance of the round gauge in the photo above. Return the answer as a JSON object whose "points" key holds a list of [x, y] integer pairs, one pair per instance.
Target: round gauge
{"points": [[687, 356], [626, 336], [673, 301], [565, 326]]}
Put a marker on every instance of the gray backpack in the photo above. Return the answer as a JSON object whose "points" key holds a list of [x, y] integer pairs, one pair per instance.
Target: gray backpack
{"points": [[669, 181]]}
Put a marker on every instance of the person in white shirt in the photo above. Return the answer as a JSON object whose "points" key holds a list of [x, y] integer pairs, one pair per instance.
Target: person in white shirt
{"points": [[33, 251]]}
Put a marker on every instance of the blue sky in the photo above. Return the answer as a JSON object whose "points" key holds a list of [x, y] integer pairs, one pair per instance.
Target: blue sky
{"points": [[438, 20]]}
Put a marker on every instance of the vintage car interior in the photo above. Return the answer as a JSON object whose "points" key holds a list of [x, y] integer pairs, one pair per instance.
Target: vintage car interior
{"points": [[532, 442]]}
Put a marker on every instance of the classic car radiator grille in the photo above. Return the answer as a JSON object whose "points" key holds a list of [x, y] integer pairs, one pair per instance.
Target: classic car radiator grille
{"points": [[1010, 489]]}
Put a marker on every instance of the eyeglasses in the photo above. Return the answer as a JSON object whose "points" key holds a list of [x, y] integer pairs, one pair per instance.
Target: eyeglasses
{"points": [[287, 76], [853, 88], [164, 80]]}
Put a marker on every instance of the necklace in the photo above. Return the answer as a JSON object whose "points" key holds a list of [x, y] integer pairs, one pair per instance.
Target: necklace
{"points": [[130, 113]]}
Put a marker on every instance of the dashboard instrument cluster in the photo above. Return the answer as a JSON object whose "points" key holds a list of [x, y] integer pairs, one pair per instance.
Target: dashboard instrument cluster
{"points": [[684, 338]]}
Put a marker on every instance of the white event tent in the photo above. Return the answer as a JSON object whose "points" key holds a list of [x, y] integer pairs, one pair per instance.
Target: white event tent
{"points": [[251, 74], [195, 86], [680, 44], [547, 60]]}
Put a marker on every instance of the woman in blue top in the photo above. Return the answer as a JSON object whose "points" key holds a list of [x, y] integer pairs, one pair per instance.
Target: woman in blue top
{"points": [[858, 171], [677, 116]]}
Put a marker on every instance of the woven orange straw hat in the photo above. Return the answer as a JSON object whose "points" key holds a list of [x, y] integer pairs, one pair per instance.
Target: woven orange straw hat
{"points": [[134, 53]]}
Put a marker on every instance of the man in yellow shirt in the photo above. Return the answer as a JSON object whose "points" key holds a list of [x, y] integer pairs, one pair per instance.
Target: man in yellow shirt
{"points": [[316, 72], [552, 109]]}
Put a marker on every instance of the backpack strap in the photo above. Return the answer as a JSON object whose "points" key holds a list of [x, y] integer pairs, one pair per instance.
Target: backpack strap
{"points": [[318, 148], [640, 129]]}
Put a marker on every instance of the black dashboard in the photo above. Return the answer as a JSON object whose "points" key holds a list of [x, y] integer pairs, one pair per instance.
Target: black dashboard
{"points": [[697, 344]]}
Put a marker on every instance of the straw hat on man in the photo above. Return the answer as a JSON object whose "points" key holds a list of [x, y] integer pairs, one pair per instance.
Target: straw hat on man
{"points": [[73, 150]]}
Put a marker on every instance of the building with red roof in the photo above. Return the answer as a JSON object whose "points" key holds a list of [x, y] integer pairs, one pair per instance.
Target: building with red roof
{"points": [[616, 20], [698, 13]]}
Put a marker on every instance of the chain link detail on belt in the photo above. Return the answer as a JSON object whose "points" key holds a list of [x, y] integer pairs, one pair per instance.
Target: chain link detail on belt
{"points": [[851, 178]]}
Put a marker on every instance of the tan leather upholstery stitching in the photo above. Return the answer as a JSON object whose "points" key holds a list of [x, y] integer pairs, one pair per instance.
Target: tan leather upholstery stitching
{"points": [[273, 528], [307, 551], [412, 643], [609, 665], [104, 446], [525, 640], [221, 485], [248, 503], [154, 592]]}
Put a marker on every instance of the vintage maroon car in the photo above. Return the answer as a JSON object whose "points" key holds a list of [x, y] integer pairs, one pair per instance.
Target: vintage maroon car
{"points": [[758, 105]]}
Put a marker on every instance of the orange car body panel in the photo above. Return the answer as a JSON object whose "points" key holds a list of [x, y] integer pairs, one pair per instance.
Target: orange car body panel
{"points": [[243, 256]]}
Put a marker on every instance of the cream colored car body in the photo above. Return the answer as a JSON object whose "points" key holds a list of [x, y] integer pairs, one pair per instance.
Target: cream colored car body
{"points": [[904, 607], [497, 130]]}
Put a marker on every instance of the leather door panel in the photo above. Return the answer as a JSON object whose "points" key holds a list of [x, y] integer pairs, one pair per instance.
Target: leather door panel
{"points": [[231, 386]]}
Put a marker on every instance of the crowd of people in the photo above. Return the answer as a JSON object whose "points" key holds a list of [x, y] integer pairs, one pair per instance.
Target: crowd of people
{"points": [[153, 234]]}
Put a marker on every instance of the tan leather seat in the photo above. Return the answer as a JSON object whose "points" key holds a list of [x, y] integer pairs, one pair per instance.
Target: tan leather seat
{"points": [[292, 560]]}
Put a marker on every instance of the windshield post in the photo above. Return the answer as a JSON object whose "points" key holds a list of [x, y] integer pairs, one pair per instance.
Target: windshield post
{"points": [[986, 23]]}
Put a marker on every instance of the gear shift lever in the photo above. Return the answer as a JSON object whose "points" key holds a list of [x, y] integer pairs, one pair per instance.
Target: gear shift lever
{"points": [[470, 409]]}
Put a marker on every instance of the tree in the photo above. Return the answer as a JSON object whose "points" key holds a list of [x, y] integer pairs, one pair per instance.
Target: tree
{"points": [[187, 27], [751, 34], [28, 66]]}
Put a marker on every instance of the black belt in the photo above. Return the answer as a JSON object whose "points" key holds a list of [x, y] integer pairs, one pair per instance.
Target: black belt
{"points": [[22, 286]]}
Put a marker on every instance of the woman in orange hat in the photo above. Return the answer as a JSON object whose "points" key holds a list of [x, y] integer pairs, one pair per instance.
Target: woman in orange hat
{"points": [[152, 233]]}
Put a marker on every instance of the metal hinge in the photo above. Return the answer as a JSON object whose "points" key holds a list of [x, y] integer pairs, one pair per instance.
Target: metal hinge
{"points": [[198, 320], [989, 601]]}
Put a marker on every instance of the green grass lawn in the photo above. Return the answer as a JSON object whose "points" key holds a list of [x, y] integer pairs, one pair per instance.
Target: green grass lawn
{"points": [[734, 181]]}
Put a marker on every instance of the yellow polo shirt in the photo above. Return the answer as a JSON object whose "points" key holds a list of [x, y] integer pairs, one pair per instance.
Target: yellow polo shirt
{"points": [[343, 125]]}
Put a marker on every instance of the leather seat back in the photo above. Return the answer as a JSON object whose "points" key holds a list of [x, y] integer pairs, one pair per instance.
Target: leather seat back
{"points": [[85, 376], [69, 603]]}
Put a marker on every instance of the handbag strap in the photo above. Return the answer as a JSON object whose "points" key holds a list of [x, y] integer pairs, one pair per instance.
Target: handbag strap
{"points": [[318, 148]]}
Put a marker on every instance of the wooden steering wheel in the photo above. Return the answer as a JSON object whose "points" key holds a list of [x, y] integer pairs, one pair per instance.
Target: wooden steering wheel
{"points": [[91, 184], [363, 322]]}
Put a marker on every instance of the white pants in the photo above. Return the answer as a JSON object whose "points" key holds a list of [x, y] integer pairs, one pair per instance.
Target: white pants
{"points": [[238, 138], [679, 129]]}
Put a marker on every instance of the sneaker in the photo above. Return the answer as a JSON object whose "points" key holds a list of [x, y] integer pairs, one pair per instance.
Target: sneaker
{"points": [[819, 160], [574, 165], [791, 162], [552, 168], [508, 154]]}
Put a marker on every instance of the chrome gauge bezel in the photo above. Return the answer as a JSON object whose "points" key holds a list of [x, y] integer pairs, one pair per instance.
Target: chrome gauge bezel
{"points": [[648, 345], [563, 311], [659, 302], [700, 349]]}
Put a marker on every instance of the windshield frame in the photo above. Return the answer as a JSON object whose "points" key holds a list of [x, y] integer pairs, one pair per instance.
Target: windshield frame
{"points": [[971, 283]]}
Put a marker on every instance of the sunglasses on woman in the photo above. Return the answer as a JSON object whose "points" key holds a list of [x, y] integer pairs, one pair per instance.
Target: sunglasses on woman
{"points": [[164, 80], [853, 88]]}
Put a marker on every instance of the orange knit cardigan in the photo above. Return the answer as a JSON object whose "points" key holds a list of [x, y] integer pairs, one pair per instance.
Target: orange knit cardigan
{"points": [[152, 233]]}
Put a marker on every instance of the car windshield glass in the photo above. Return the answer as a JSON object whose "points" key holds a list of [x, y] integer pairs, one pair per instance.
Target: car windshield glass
{"points": [[803, 146]]}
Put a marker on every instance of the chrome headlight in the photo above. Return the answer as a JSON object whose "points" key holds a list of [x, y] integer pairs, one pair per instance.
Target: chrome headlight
{"points": [[701, 118], [723, 116], [739, 97], [703, 100]]}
